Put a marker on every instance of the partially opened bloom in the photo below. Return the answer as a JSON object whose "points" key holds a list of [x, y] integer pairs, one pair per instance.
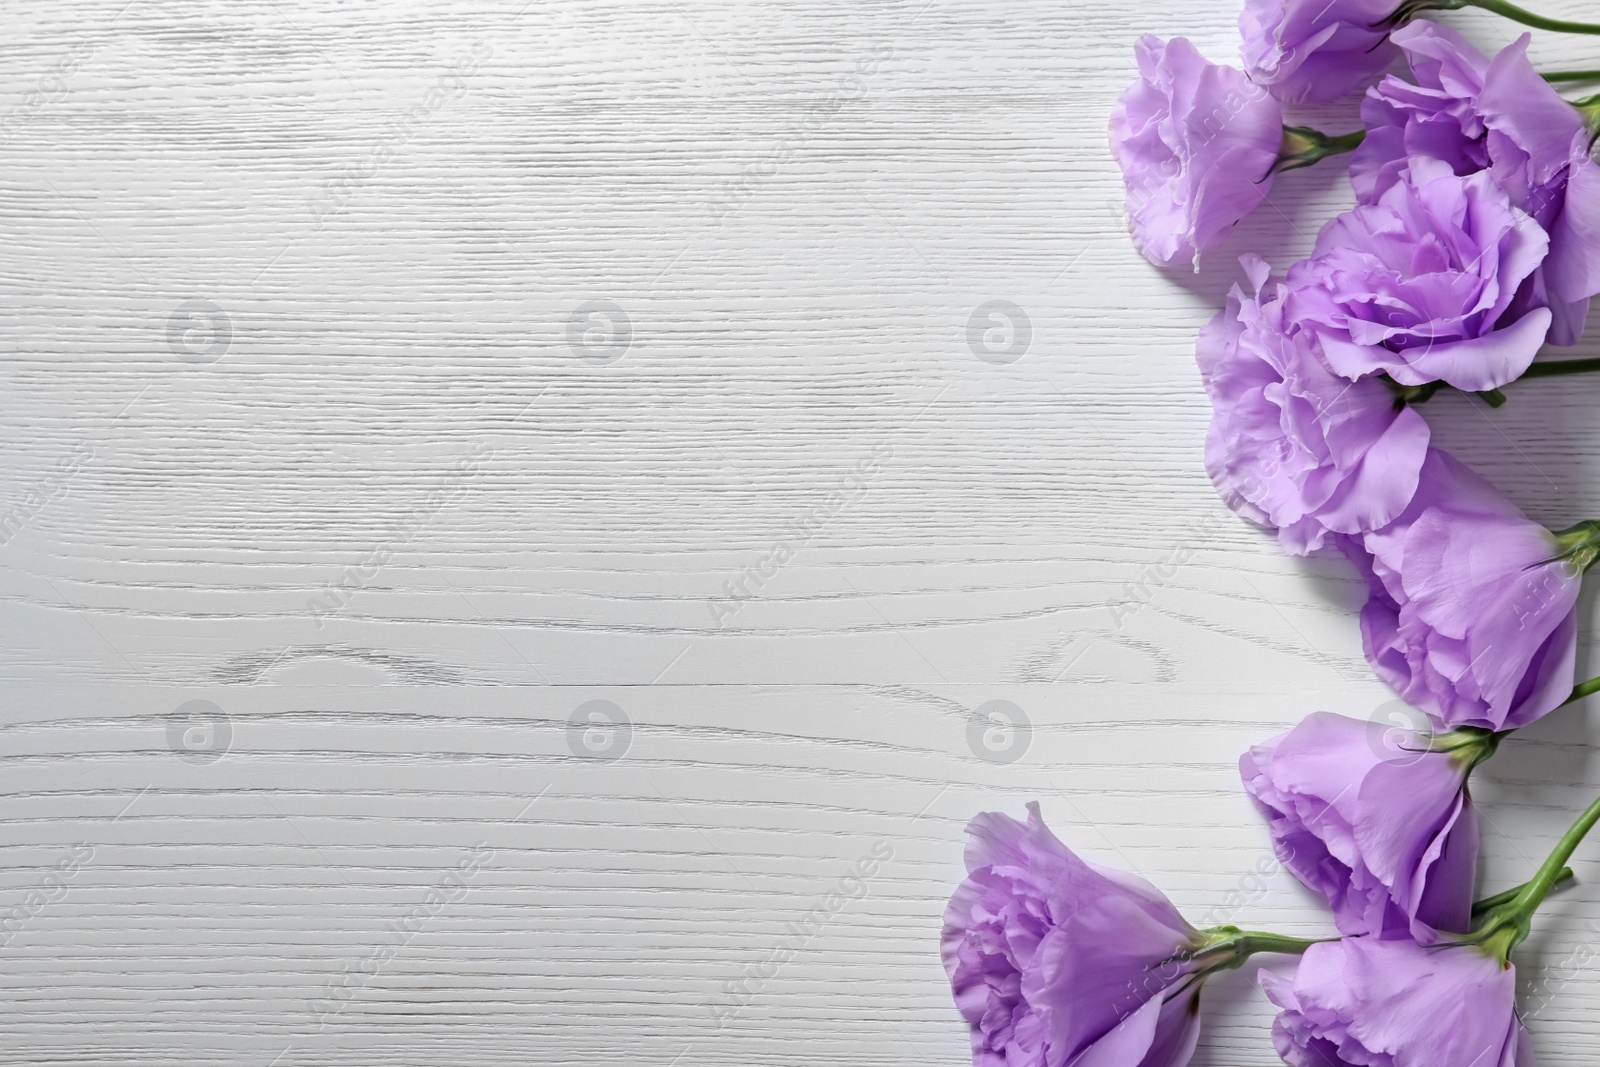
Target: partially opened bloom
{"points": [[1050, 956], [1470, 616], [1197, 143], [1363, 1002], [1056, 961], [1293, 445], [1474, 113], [1316, 50], [1376, 819], [1422, 284]]}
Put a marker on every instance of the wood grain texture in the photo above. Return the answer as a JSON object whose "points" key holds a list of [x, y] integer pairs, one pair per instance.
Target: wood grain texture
{"points": [[399, 382]]}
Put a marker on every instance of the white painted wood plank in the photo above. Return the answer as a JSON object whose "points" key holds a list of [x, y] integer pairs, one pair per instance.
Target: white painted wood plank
{"points": [[798, 210]]}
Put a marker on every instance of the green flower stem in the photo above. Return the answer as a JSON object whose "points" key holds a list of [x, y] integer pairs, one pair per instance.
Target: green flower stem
{"points": [[1581, 690], [1345, 142], [1558, 76], [1226, 947], [1589, 108], [1554, 367], [1468, 746], [1302, 146], [1501, 899], [1410, 394], [1506, 925], [1420, 394], [1252, 942], [1528, 18], [1549, 873], [1579, 546]]}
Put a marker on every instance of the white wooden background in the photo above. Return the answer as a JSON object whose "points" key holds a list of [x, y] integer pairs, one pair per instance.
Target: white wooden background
{"points": [[265, 337]]}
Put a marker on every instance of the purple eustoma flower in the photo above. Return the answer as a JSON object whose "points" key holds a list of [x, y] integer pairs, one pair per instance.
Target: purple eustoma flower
{"points": [[1052, 958], [1197, 143], [1362, 1002], [1422, 284], [1471, 612], [1293, 445], [1498, 116], [1315, 50], [1376, 819]]}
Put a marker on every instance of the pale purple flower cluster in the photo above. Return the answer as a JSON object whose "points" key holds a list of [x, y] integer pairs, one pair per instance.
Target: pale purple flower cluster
{"points": [[1426, 284], [1495, 117], [1055, 961], [1294, 445], [1378, 822], [1473, 243], [1375, 819]]}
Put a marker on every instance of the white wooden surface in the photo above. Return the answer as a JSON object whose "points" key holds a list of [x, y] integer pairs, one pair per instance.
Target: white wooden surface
{"points": [[798, 209]]}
